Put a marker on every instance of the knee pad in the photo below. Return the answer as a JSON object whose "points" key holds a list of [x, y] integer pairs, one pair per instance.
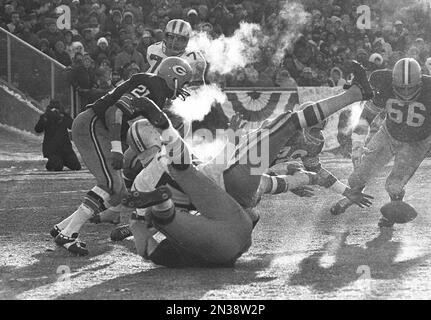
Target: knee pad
{"points": [[97, 200]]}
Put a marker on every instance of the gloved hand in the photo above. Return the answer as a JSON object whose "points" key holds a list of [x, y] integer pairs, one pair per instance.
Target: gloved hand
{"points": [[304, 192], [359, 198], [117, 160]]}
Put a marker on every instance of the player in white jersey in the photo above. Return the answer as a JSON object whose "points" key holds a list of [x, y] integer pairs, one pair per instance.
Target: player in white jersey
{"points": [[177, 35]]}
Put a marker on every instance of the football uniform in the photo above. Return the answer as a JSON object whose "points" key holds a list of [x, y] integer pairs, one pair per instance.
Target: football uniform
{"points": [[404, 134], [406, 121], [156, 54], [92, 135], [301, 148]]}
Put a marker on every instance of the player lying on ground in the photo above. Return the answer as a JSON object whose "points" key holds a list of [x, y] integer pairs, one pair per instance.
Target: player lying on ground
{"points": [[221, 231], [405, 135], [305, 145], [98, 134]]}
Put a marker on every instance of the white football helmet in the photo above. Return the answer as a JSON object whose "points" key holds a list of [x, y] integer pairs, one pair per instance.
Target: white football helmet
{"points": [[144, 140], [177, 36]]}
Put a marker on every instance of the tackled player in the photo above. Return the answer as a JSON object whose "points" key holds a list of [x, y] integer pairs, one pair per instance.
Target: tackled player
{"points": [[220, 230]]}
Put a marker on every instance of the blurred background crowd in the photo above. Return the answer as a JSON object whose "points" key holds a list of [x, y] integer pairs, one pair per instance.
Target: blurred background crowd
{"points": [[108, 39]]}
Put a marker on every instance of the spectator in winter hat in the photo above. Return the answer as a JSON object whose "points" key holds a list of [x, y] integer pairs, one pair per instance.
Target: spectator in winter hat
{"points": [[336, 78], [375, 62], [103, 51], [193, 18]]}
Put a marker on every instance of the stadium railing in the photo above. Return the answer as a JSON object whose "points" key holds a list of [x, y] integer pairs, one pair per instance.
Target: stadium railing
{"points": [[31, 72]]}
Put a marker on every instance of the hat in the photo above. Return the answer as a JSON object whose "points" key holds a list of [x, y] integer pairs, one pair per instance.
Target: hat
{"points": [[192, 11], [147, 34], [335, 19], [376, 59], [128, 13], [307, 70], [102, 40], [398, 22], [116, 11]]}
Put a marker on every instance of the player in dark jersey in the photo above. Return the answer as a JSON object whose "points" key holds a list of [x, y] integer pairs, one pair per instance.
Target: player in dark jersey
{"points": [[99, 133], [220, 192], [304, 146], [404, 94]]}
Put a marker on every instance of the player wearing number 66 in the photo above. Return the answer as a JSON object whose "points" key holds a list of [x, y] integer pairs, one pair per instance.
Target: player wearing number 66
{"points": [[100, 133], [404, 94]]}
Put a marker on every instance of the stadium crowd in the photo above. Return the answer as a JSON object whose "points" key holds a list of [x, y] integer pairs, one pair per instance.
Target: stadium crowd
{"points": [[109, 38]]}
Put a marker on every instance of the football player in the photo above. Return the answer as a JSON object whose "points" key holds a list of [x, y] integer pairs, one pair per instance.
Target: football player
{"points": [[177, 36], [221, 193], [305, 145], [99, 133], [404, 95]]}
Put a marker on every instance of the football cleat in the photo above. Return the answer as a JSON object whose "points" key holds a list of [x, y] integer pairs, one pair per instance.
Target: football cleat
{"points": [[360, 79], [385, 223], [55, 232], [121, 233], [340, 207], [72, 244], [142, 200], [398, 212]]}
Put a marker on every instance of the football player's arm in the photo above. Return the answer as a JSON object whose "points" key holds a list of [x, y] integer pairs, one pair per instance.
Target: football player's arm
{"points": [[326, 179], [114, 121]]}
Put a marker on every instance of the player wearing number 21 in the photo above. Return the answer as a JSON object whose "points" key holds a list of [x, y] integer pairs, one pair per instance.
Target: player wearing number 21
{"points": [[405, 135]]}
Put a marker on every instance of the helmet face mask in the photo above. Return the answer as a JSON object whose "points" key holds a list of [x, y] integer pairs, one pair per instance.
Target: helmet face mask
{"points": [[407, 79], [407, 92]]}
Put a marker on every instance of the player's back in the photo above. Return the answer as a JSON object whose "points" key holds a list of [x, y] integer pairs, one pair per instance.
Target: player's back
{"points": [[299, 147], [139, 85]]}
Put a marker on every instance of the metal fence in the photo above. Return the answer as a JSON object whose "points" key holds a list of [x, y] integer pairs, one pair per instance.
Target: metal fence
{"points": [[34, 73]]}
